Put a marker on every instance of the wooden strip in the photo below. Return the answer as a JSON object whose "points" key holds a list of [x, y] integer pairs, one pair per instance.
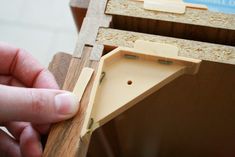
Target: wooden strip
{"points": [[64, 138], [94, 19], [82, 82]]}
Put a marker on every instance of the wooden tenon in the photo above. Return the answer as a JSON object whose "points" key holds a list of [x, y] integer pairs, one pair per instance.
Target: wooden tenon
{"points": [[191, 116]]}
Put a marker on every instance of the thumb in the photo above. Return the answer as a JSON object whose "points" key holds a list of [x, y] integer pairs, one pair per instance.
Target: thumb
{"points": [[36, 105]]}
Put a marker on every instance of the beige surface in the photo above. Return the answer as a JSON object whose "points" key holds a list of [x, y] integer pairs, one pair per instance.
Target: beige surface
{"points": [[187, 48], [192, 16], [130, 76], [156, 48], [82, 82], [169, 6]]}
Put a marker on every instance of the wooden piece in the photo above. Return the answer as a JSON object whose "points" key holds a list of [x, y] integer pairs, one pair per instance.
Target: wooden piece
{"points": [[156, 48], [175, 6], [82, 82], [60, 139], [187, 48], [64, 138], [137, 74], [190, 5], [195, 24], [182, 113], [59, 67], [207, 18], [94, 19], [79, 9]]}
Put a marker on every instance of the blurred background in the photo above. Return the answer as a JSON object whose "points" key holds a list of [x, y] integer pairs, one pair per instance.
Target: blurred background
{"points": [[42, 27]]}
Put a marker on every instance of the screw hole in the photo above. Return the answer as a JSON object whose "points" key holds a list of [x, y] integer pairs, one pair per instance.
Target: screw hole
{"points": [[129, 82]]}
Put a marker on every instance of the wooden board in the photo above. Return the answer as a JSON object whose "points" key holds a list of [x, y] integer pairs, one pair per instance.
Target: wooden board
{"points": [[79, 9], [64, 138], [66, 134], [195, 24], [59, 67], [115, 139], [192, 49]]}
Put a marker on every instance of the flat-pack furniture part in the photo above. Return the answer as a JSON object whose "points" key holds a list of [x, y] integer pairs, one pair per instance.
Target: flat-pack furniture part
{"points": [[171, 6], [126, 76], [195, 24], [181, 117]]}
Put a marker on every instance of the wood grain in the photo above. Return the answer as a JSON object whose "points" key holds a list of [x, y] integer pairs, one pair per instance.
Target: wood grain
{"points": [[94, 19], [79, 9], [59, 67], [64, 137]]}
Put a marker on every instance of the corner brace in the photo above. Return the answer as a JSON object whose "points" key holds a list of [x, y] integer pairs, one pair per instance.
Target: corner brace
{"points": [[126, 76]]}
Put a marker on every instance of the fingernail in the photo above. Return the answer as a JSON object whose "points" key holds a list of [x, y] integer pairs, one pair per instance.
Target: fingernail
{"points": [[66, 104]]}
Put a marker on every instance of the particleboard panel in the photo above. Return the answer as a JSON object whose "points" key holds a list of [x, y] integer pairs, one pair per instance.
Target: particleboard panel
{"points": [[188, 48], [194, 24]]}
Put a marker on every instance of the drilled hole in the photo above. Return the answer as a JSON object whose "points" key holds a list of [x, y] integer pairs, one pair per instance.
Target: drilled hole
{"points": [[129, 82]]}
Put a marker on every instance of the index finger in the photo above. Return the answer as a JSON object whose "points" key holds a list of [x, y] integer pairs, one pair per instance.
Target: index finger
{"points": [[20, 64]]}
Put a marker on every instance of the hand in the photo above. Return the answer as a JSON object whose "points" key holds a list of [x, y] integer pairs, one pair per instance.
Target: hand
{"points": [[29, 102]]}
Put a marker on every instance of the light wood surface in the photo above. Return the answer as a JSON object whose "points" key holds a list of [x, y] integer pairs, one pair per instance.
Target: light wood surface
{"points": [[169, 6], [64, 138], [195, 24], [79, 9], [59, 67], [82, 82], [192, 16], [191, 116], [129, 76], [192, 98], [187, 48]]}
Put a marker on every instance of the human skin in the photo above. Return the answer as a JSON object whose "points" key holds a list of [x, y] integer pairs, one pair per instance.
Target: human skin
{"points": [[30, 101]]}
